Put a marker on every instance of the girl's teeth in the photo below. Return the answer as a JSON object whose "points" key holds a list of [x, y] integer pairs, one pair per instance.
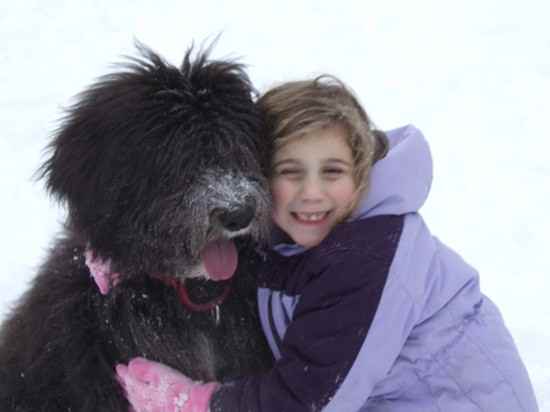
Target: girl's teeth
{"points": [[311, 217]]}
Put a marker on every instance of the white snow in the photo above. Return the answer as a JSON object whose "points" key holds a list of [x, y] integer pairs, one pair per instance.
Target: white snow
{"points": [[473, 75]]}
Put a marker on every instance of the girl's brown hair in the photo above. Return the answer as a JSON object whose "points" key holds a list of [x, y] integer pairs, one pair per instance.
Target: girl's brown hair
{"points": [[297, 108]]}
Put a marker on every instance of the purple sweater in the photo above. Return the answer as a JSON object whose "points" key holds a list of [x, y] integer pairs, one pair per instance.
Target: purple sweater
{"points": [[381, 316]]}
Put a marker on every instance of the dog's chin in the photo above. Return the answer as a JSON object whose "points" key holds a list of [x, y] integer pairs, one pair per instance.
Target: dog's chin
{"points": [[197, 271]]}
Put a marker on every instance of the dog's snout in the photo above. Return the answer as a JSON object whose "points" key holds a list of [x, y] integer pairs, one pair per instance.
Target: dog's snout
{"points": [[237, 218]]}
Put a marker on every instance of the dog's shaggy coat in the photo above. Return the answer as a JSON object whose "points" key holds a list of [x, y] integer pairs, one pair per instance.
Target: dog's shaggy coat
{"points": [[153, 162]]}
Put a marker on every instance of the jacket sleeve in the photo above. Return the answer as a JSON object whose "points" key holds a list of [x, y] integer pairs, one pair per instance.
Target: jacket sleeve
{"points": [[322, 344]]}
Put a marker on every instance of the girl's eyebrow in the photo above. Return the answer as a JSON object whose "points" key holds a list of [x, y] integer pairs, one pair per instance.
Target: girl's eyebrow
{"points": [[337, 160], [296, 161], [285, 161]]}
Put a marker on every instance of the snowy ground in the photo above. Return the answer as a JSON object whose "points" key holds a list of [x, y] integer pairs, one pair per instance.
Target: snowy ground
{"points": [[473, 75]]}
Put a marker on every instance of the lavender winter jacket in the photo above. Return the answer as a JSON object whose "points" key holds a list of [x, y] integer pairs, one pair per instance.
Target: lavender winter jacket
{"points": [[382, 316]]}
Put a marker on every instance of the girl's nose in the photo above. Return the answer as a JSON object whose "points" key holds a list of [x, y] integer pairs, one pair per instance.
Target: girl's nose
{"points": [[312, 189]]}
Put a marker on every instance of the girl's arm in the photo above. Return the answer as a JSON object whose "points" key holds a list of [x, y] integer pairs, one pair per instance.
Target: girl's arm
{"points": [[335, 349], [346, 332]]}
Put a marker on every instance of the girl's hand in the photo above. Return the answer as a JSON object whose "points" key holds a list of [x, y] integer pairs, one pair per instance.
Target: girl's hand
{"points": [[153, 387]]}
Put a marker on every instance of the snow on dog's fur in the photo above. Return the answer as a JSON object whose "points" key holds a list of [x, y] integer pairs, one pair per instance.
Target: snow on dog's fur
{"points": [[161, 171]]}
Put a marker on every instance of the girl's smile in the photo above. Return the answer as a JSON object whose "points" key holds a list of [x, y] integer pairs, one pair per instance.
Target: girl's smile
{"points": [[312, 184], [310, 218]]}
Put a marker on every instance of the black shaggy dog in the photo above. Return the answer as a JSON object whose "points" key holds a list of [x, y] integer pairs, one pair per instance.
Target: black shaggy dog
{"points": [[160, 170]]}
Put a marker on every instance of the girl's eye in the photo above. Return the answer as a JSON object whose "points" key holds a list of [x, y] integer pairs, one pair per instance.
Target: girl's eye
{"points": [[289, 172], [333, 172]]}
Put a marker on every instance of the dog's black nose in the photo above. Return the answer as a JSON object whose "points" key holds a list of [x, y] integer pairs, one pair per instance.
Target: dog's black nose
{"points": [[237, 219]]}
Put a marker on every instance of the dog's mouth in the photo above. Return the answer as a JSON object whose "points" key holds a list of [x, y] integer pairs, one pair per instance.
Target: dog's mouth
{"points": [[220, 259]]}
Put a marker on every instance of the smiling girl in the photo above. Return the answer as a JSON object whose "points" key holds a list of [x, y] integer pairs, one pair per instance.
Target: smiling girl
{"points": [[363, 308], [312, 185]]}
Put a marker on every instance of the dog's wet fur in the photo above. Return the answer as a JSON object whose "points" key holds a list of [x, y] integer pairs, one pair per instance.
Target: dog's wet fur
{"points": [[152, 162]]}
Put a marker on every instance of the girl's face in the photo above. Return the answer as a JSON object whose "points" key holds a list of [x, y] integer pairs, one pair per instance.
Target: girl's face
{"points": [[312, 185]]}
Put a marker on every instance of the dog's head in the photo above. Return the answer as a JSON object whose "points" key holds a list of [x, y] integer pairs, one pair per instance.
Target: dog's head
{"points": [[160, 167]]}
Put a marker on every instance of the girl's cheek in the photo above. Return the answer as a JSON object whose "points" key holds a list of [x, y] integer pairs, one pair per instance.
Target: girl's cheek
{"points": [[279, 190]]}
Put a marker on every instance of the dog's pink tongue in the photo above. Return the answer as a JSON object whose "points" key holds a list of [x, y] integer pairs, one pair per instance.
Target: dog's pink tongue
{"points": [[220, 259]]}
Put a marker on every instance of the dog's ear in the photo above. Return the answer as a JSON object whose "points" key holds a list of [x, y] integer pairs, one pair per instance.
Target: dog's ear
{"points": [[74, 154]]}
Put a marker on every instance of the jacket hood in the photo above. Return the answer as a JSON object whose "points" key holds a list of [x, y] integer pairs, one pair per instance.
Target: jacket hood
{"points": [[401, 181]]}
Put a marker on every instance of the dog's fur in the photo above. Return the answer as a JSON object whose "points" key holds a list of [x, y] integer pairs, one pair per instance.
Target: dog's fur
{"points": [[148, 161]]}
